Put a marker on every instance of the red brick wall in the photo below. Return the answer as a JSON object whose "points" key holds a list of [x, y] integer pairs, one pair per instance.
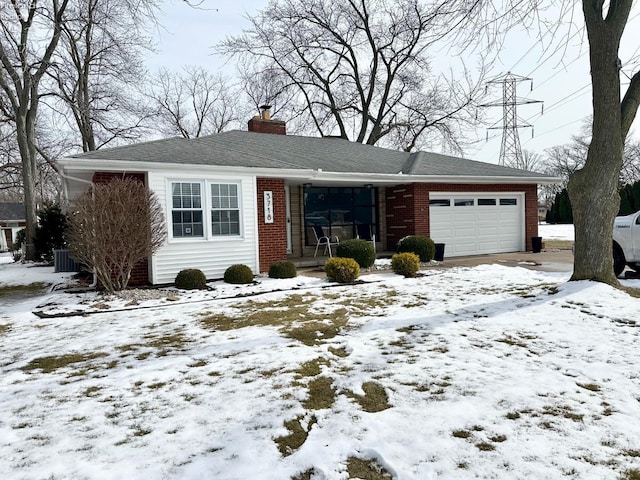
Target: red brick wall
{"points": [[272, 237], [408, 207], [140, 273], [258, 125]]}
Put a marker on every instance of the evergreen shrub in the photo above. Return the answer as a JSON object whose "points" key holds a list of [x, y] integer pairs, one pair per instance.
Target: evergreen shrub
{"points": [[238, 274], [282, 269], [191, 279], [406, 264], [421, 245], [342, 270], [360, 250]]}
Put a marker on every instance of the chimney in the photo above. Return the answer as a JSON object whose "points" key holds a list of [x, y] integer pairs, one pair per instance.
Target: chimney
{"points": [[264, 123]]}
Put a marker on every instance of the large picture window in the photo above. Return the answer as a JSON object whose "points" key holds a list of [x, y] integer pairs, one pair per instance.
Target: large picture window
{"points": [[225, 209], [186, 213], [339, 211]]}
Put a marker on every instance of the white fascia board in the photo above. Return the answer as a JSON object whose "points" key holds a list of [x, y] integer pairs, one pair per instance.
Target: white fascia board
{"points": [[401, 178]]}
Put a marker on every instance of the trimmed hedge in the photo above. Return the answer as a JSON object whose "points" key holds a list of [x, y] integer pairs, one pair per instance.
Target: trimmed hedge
{"points": [[360, 250], [342, 270], [191, 279], [406, 264], [421, 245], [238, 274], [282, 269]]}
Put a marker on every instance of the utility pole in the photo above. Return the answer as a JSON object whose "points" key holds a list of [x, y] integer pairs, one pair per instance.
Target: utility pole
{"points": [[510, 150]]}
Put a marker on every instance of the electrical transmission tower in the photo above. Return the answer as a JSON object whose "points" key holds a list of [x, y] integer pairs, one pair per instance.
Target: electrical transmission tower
{"points": [[510, 150]]}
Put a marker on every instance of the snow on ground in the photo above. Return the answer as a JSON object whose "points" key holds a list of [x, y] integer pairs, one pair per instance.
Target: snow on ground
{"points": [[556, 232], [489, 372]]}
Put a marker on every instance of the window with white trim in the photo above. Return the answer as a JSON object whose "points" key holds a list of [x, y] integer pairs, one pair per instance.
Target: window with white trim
{"points": [[186, 211], [225, 209]]}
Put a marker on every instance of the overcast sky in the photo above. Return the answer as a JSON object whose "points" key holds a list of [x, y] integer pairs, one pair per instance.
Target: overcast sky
{"points": [[560, 79]]}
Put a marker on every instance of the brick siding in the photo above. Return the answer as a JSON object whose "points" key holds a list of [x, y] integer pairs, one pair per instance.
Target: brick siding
{"points": [[407, 207], [272, 237]]}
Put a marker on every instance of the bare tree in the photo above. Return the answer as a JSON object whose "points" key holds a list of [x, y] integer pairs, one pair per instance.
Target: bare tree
{"points": [[360, 69], [99, 61], [594, 188], [29, 34], [114, 226], [194, 102]]}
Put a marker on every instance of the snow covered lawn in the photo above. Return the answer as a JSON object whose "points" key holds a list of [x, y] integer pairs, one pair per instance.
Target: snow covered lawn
{"points": [[486, 372]]}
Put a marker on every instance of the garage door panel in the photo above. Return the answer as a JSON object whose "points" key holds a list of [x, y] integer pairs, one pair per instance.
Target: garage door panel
{"points": [[478, 229]]}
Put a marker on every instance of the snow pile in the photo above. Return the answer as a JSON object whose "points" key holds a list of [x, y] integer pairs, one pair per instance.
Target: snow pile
{"points": [[485, 372]]}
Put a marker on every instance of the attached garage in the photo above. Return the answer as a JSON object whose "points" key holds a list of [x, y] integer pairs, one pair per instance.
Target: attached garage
{"points": [[477, 223]]}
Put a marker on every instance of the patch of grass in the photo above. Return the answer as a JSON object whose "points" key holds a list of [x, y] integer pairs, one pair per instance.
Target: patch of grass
{"points": [[288, 444], [4, 328], [498, 438], [513, 415], [322, 394], [141, 432], [509, 340], [375, 398], [156, 386], [562, 411], [594, 387], [315, 332], [306, 475], [53, 363], [339, 352], [311, 368], [23, 290], [485, 447], [164, 343], [631, 453], [366, 469], [632, 474], [463, 465], [91, 391], [461, 433], [199, 363]]}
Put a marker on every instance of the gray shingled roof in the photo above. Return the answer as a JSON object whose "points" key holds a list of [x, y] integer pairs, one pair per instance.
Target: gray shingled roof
{"points": [[12, 211], [259, 150]]}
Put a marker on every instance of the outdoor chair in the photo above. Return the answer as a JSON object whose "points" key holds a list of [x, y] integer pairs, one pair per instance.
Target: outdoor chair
{"points": [[322, 239], [363, 232]]}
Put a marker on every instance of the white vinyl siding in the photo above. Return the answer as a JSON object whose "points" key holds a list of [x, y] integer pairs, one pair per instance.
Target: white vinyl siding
{"points": [[477, 223], [211, 253]]}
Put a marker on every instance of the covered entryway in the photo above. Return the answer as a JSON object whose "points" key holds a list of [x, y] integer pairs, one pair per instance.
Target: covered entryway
{"points": [[477, 223]]}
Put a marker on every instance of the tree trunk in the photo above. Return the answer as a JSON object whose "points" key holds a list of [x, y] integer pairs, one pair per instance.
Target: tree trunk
{"points": [[594, 189], [29, 172]]}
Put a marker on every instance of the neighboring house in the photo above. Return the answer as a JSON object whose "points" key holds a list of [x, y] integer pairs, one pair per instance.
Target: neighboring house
{"points": [[12, 220], [254, 196]]}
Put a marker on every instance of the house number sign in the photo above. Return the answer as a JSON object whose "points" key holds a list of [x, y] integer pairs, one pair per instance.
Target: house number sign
{"points": [[268, 206]]}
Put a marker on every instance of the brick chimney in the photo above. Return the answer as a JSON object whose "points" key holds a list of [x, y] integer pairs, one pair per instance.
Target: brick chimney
{"points": [[264, 123]]}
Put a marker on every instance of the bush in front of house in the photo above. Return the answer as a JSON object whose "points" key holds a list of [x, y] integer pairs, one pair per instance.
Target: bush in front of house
{"points": [[50, 232], [282, 269], [360, 250], [421, 245], [238, 274], [406, 264], [342, 270], [191, 279]]}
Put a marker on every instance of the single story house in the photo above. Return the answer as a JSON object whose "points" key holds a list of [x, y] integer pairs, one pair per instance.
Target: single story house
{"points": [[258, 196], [12, 219]]}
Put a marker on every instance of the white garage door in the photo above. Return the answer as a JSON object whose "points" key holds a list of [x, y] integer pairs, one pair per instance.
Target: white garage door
{"points": [[477, 223]]}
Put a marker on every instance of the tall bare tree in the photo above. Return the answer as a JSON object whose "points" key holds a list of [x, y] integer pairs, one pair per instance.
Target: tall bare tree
{"points": [[361, 69], [594, 188], [193, 102], [99, 61], [29, 34]]}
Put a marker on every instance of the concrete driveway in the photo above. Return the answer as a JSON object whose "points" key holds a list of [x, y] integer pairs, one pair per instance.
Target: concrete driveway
{"points": [[547, 260]]}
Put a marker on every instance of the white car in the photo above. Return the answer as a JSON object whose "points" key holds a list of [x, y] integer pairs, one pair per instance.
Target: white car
{"points": [[626, 243]]}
